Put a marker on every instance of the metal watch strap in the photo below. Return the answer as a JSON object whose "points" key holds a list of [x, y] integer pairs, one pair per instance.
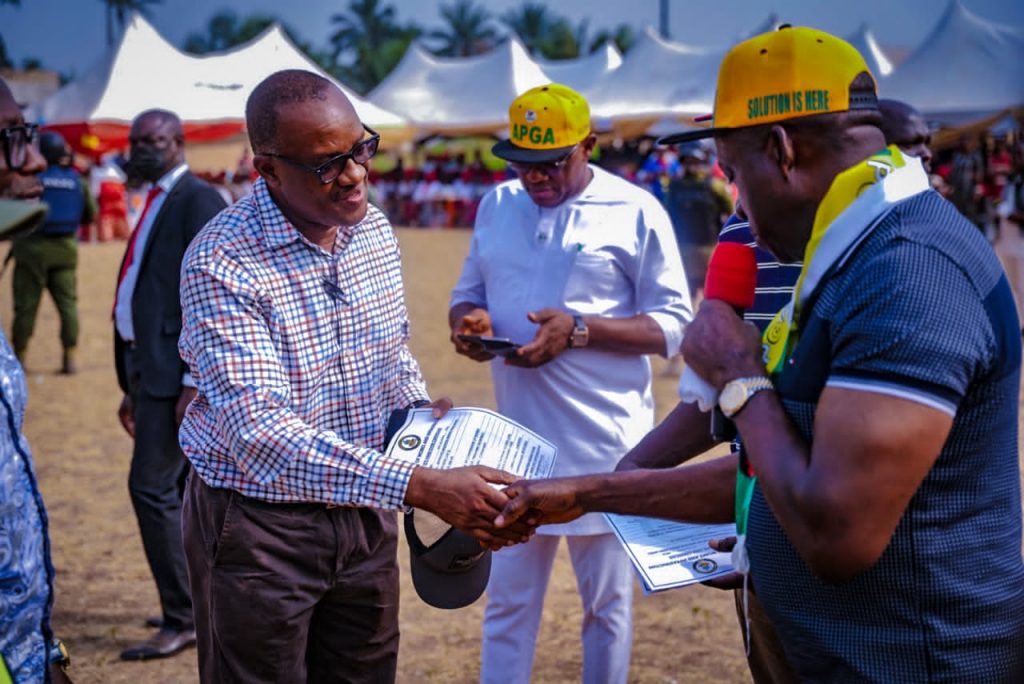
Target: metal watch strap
{"points": [[752, 385]]}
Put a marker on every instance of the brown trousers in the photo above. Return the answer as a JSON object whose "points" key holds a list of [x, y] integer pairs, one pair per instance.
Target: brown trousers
{"points": [[290, 592]]}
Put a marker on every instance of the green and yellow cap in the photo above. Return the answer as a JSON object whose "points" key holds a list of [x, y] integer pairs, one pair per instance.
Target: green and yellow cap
{"points": [[544, 124], [782, 75]]}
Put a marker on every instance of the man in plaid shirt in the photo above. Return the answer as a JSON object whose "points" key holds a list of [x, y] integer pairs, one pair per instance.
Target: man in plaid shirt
{"points": [[295, 331]]}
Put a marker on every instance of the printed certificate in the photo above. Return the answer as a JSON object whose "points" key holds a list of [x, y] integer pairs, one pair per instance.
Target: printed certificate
{"points": [[472, 436], [668, 554]]}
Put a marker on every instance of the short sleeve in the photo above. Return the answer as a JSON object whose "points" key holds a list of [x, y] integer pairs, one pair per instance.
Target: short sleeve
{"points": [[910, 323]]}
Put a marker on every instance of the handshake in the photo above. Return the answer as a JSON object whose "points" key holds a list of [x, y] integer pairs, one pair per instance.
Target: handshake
{"points": [[466, 499]]}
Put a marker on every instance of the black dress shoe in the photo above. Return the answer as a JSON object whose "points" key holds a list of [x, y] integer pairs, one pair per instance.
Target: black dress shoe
{"points": [[164, 643], [155, 621]]}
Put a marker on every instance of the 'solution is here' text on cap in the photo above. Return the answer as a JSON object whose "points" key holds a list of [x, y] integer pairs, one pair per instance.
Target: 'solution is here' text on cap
{"points": [[782, 75]]}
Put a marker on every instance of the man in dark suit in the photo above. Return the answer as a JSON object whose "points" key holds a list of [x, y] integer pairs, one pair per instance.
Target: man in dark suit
{"points": [[156, 384]]}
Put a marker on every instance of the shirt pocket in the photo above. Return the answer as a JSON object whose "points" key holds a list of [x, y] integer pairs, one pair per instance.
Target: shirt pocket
{"points": [[593, 277]]}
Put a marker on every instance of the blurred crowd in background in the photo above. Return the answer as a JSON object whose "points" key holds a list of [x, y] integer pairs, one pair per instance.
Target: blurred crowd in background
{"points": [[443, 189]]}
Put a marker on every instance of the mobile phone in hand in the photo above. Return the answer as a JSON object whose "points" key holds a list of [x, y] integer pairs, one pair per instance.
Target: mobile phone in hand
{"points": [[501, 346]]}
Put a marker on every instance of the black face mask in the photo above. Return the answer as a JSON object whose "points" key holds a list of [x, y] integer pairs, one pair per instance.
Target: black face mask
{"points": [[148, 163]]}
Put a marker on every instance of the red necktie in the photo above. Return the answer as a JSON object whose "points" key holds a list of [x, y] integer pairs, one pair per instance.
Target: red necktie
{"points": [[130, 253]]}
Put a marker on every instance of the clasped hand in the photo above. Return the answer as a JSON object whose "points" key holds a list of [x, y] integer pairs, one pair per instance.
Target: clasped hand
{"points": [[540, 502], [465, 498]]}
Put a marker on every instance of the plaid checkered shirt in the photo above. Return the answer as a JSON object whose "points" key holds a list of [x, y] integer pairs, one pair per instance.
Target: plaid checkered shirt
{"points": [[299, 354]]}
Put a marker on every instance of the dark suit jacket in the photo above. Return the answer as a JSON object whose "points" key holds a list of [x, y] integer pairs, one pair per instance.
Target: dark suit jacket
{"points": [[156, 303]]}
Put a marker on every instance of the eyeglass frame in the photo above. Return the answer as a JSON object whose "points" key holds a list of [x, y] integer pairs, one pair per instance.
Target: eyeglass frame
{"points": [[345, 156], [547, 168], [31, 134]]}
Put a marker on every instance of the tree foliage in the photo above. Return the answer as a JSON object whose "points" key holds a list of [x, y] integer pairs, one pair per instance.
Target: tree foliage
{"points": [[468, 30], [552, 36], [118, 12], [531, 22], [225, 30], [370, 41], [623, 36]]}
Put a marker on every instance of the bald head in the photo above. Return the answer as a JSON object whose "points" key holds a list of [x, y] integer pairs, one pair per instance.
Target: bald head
{"points": [[167, 119], [157, 144], [906, 128], [288, 87]]}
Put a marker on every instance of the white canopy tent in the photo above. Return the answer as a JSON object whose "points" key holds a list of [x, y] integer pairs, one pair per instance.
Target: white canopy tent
{"points": [[462, 95], [867, 46], [208, 93], [235, 73], [661, 81], [642, 87], [585, 73], [965, 70]]}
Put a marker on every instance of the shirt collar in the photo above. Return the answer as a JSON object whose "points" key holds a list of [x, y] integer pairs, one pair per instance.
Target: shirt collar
{"points": [[278, 231], [596, 189], [169, 179]]}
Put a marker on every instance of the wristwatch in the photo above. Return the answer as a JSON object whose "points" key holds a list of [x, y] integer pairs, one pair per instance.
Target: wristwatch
{"points": [[580, 334], [738, 392]]}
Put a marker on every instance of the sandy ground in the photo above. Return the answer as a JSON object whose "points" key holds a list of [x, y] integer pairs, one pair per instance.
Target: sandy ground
{"points": [[104, 590]]}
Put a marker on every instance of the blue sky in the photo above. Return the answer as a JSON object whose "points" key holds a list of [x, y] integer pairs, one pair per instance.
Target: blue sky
{"points": [[69, 35]]}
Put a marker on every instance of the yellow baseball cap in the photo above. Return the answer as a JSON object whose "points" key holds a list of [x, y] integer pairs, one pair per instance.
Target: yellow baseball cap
{"points": [[782, 75], [544, 124]]}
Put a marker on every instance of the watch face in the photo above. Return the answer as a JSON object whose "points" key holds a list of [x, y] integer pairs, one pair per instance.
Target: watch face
{"points": [[580, 333], [733, 396]]}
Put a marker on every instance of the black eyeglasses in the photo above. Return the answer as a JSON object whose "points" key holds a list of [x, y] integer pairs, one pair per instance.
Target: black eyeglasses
{"points": [[16, 141], [547, 168], [329, 171]]}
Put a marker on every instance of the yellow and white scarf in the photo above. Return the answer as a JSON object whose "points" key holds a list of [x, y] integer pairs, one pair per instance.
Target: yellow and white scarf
{"points": [[856, 202]]}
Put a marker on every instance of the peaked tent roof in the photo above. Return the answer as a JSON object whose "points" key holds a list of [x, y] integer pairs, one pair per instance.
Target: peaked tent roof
{"points": [[459, 95], [663, 78], [867, 46], [208, 93], [584, 73], [966, 69], [235, 73], [641, 86]]}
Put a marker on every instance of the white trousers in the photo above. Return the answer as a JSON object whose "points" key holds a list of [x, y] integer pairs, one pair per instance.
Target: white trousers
{"points": [[515, 602]]}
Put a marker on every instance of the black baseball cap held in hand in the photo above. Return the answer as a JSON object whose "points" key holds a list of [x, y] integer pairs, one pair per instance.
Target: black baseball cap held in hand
{"points": [[449, 567]]}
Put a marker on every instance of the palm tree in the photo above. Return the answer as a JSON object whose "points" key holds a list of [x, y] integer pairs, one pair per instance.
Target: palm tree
{"points": [[121, 9], [5, 60], [468, 32], [367, 22], [369, 34], [531, 22], [226, 30], [622, 35], [563, 41]]}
